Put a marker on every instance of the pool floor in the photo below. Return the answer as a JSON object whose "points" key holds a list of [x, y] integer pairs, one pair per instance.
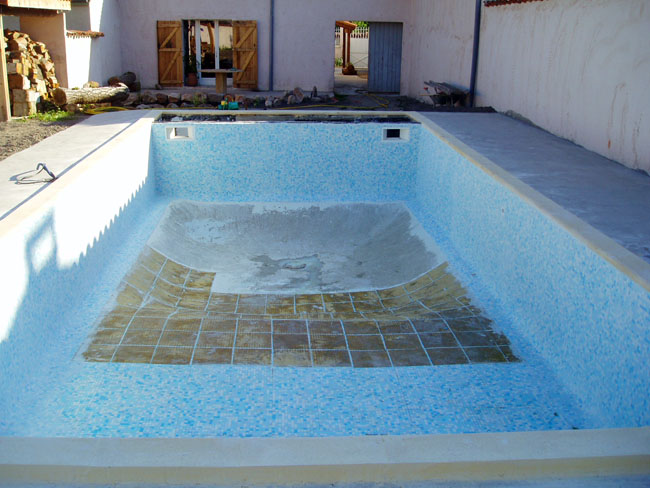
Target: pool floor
{"points": [[165, 313]]}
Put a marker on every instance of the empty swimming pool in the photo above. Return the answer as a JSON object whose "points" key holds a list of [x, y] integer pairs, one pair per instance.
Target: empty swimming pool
{"points": [[274, 278]]}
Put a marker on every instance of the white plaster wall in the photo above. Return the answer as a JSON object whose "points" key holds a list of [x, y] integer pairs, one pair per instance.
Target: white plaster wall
{"points": [[137, 21], [442, 33], [579, 69], [11, 22], [51, 31], [304, 38], [106, 53], [79, 53], [78, 17], [359, 52]]}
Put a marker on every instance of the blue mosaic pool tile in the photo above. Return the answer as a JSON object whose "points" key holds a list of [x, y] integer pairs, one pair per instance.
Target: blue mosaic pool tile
{"points": [[573, 306], [579, 326], [286, 162]]}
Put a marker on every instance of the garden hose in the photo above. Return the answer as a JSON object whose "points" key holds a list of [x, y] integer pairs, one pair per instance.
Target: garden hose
{"points": [[101, 110]]}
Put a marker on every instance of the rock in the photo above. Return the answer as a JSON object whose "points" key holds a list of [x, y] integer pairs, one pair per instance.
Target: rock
{"points": [[143, 106], [157, 105], [214, 98], [72, 107], [291, 100], [135, 86], [268, 103], [148, 98], [349, 70], [91, 84], [187, 104], [316, 99], [174, 97], [314, 92], [187, 98], [277, 102], [158, 86], [132, 99], [162, 99], [298, 94], [172, 105], [127, 78], [240, 98]]}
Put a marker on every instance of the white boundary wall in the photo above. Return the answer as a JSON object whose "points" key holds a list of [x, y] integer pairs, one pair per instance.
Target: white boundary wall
{"points": [[579, 69]]}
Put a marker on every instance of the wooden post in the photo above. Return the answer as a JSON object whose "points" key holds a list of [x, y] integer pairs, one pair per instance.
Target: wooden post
{"points": [[5, 109], [343, 51], [349, 33]]}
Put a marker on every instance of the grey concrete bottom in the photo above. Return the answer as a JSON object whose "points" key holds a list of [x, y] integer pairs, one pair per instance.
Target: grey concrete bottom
{"points": [[297, 248]]}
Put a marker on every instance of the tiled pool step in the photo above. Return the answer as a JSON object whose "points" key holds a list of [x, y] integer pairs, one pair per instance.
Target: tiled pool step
{"points": [[165, 313]]}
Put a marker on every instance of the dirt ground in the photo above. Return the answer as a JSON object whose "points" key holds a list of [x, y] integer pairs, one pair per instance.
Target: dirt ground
{"points": [[19, 134]]}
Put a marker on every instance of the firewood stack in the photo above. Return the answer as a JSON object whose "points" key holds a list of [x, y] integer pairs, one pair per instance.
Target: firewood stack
{"points": [[30, 72]]}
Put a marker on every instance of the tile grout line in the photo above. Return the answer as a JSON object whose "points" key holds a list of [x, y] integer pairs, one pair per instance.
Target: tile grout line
{"points": [[162, 331], [347, 344], [456, 339], [144, 299], [381, 334], [272, 348], [234, 340], [420, 341], [311, 352], [196, 341]]}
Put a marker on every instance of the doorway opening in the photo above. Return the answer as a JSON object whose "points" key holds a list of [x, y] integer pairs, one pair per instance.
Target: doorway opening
{"points": [[208, 46], [351, 42], [375, 51]]}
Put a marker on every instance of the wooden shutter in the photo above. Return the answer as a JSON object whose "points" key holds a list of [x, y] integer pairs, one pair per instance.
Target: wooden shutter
{"points": [[244, 40], [170, 52]]}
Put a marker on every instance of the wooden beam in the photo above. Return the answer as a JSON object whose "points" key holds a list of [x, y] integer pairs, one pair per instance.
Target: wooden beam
{"points": [[5, 109], [40, 4], [31, 12]]}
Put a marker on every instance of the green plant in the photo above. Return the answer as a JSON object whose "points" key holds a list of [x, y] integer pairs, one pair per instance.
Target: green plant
{"points": [[338, 62], [52, 116], [190, 63]]}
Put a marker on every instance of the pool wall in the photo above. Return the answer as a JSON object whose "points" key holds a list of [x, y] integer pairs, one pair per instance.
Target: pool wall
{"points": [[284, 161], [590, 321], [586, 318], [53, 252], [56, 247]]}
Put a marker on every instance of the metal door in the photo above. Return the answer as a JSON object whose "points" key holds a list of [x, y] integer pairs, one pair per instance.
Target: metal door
{"points": [[384, 56]]}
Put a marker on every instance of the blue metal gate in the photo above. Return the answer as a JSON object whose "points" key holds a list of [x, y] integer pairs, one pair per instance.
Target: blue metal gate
{"points": [[384, 56]]}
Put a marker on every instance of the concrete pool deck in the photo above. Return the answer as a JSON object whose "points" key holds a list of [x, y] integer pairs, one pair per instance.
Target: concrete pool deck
{"points": [[521, 455]]}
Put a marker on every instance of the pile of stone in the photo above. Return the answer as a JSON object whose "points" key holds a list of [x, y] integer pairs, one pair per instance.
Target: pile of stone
{"points": [[30, 72], [149, 100]]}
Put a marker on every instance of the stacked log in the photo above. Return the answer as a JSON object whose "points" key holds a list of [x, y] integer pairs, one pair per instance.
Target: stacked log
{"points": [[30, 72]]}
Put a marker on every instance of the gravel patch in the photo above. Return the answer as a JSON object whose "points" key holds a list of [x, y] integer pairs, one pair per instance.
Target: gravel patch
{"points": [[19, 134]]}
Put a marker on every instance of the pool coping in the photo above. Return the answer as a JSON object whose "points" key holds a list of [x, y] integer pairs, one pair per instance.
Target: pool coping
{"points": [[492, 456], [512, 455]]}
